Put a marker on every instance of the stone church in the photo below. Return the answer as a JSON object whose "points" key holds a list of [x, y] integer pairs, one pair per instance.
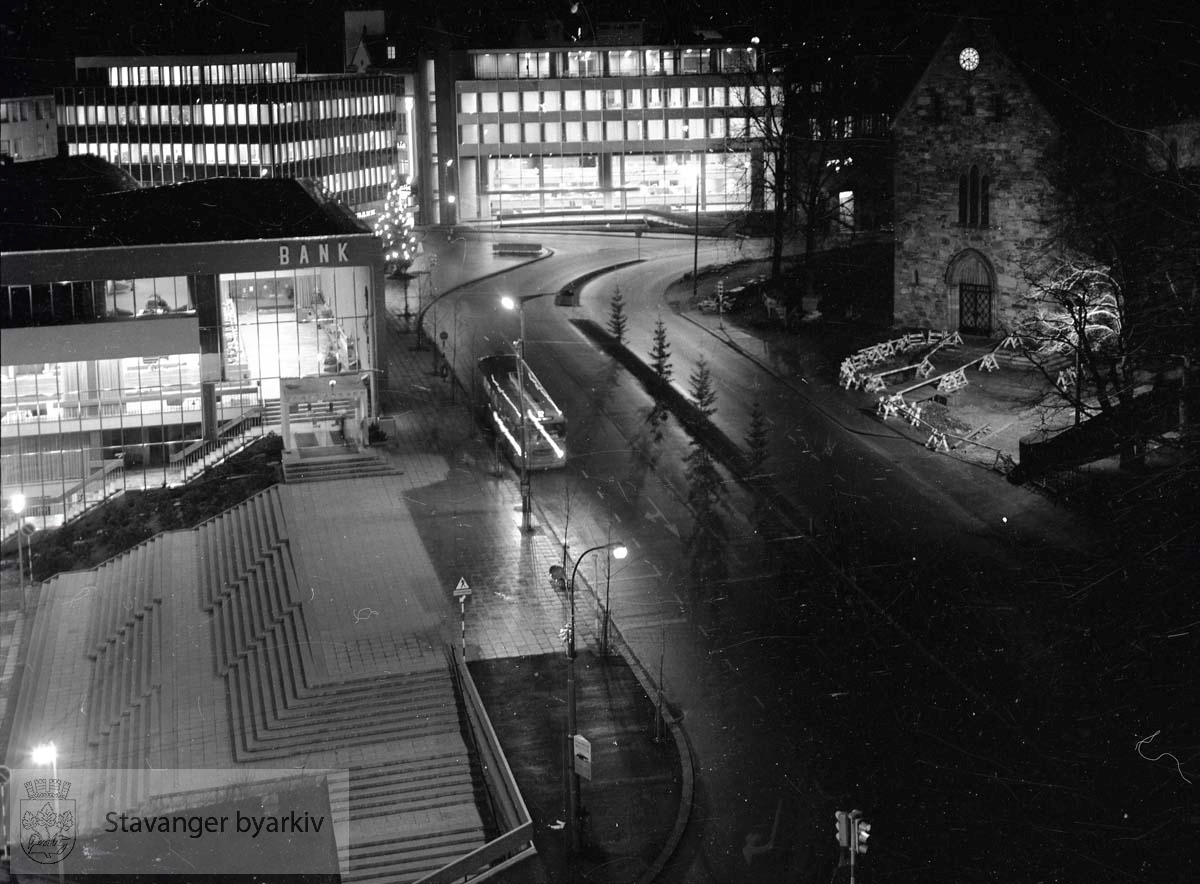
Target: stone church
{"points": [[971, 203]]}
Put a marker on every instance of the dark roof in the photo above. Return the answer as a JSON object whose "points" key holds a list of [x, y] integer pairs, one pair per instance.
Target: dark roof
{"points": [[84, 202]]}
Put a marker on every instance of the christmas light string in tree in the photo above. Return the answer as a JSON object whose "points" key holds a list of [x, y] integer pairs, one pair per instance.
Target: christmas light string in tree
{"points": [[395, 227]]}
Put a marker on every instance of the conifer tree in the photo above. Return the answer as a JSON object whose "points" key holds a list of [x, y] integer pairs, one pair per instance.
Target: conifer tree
{"points": [[756, 437], [617, 320], [706, 491], [702, 389], [660, 355]]}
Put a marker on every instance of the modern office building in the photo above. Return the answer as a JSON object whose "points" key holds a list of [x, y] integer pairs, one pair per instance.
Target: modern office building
{"points": [[28, 130], [167, 119], [145, 327], [618, 126]]}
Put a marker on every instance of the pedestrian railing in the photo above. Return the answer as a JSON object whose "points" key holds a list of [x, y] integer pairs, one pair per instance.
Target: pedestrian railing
{"points": [[515, 842]]}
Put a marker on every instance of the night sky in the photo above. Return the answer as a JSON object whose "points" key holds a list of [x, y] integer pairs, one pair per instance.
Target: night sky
{"points": [[1155, 40]]}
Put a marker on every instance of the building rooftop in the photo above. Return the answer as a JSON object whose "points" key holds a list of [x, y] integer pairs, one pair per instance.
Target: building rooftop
{"points": [[84, 202]]}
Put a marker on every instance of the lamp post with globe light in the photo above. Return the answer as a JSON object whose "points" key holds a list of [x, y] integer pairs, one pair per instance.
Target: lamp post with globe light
{"points": [[574, 809]]}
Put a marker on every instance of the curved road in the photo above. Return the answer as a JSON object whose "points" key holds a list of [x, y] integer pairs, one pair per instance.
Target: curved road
{"points": [[899, 514]]}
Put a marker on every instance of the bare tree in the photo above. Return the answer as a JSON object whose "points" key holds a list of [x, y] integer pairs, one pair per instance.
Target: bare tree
{"points": [[818, 138], [1127, 314]]}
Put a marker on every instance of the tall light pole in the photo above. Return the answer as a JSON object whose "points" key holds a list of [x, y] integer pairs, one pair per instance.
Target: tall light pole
{"points": [[518, 304], [17, 502], [619, 551], [696, 241]]}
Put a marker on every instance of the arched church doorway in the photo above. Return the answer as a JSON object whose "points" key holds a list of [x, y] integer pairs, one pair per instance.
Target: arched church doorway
{"points": [[971, 293]]}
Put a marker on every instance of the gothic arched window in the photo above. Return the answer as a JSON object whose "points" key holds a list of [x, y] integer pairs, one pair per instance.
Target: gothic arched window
{"points": [[973, 198]]}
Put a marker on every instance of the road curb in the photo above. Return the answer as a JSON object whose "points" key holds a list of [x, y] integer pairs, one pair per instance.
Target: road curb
{"points": [[682, 745], [896, 430]]}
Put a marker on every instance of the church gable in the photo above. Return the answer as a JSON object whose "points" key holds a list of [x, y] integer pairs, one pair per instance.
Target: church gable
{"points": [[970, 78], [971, 202]]}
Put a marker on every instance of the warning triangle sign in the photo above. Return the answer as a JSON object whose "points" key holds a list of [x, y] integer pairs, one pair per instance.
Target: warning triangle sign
{"points": [[462, 585]]}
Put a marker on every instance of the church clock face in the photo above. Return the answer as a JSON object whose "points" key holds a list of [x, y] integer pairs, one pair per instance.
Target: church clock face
{"points": [[968, 59]]}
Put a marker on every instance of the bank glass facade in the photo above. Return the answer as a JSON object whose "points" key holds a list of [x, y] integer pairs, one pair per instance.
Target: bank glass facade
{"points": [[111, 384]]}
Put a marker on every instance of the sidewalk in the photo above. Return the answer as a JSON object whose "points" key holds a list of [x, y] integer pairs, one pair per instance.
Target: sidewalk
{"points": [[465, 505]]}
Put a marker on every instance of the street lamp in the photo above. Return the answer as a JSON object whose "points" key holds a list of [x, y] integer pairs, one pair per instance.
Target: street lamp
{"points": [[17, 502], [47, 754], [619, 551], [518, 304], [696, 240]]}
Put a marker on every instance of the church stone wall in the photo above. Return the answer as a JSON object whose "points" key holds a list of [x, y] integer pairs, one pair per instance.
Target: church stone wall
{"points": [[955, 119]]}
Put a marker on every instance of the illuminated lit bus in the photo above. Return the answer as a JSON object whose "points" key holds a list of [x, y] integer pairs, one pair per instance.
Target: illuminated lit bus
{"points": [[546, 427]]}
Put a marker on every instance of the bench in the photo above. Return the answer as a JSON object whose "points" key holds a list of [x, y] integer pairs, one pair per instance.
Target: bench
{"points": [[516, 248]]}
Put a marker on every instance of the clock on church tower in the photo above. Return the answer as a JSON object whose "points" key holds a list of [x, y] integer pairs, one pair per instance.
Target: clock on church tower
{"points": [[968, 59]]}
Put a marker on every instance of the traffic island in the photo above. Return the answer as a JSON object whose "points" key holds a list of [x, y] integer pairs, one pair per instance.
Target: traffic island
{"points": [[632, 800]]}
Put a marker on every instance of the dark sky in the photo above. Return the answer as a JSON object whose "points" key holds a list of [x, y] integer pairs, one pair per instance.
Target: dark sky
{"points": [[1106, 45]]}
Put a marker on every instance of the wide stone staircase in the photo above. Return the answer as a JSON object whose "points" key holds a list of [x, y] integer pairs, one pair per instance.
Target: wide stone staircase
{"points": [[105, 631], [409, 813], [415, 798]]}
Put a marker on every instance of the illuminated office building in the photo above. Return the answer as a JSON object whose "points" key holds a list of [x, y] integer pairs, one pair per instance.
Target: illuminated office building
{"points": [[27, 128], [167, 119], [143, 330], [613, 127]]}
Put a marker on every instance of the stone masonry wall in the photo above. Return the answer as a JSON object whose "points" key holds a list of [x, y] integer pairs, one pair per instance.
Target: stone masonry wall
{"points": [[954, 119]]}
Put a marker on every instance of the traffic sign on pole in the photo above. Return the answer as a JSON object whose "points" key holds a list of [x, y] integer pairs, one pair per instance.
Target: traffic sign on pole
{"points": [[461, 592], [583, 756]]}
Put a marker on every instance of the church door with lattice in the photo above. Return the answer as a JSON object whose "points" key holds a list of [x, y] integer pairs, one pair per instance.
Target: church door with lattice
{"points": [[975, 308], [971, 286]]}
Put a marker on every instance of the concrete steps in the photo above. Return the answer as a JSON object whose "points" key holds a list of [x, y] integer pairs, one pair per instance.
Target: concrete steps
{"points": [[402, 862], [408, 818], [424, 784], [351, 465], [230, 544], [387, 712]]}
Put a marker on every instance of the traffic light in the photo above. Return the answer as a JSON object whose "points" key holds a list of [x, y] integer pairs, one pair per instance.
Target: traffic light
{"points": [[860, 831], [843, 828]]}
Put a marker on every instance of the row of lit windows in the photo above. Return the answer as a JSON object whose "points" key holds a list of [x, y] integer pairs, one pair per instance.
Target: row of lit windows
{"points": [[27, 110], [225, 114], [534, 101], [197, 74], [603, 130], [92, 301], [343, 182], [671, 170], [23, 148], [612, 63], [224, 153]]}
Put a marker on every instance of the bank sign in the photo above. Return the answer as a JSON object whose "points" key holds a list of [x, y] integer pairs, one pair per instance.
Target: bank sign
{"points": [[306, 254]]}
